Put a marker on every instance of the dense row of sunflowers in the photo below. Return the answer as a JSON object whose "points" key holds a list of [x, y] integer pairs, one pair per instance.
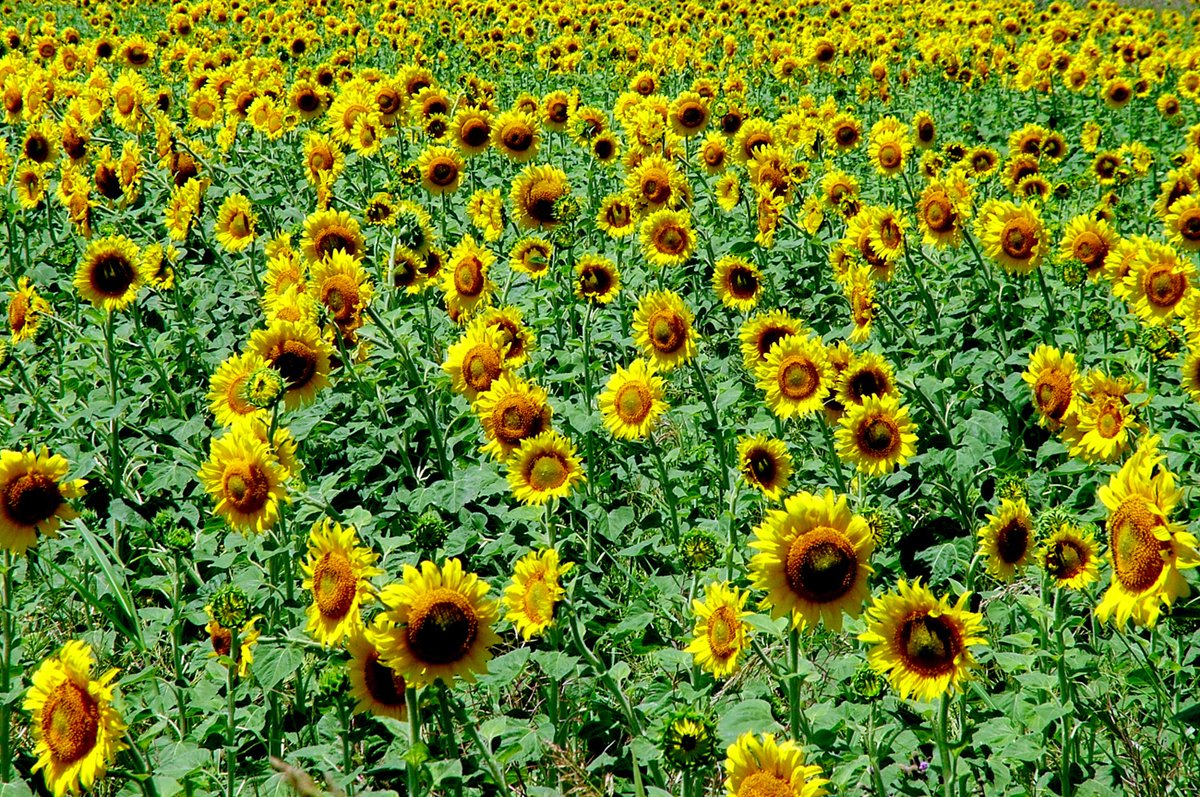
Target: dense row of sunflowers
{"points": [[765, 242]]}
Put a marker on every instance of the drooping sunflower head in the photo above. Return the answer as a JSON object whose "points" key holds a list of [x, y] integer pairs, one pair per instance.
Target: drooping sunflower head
{"points": [[662, 326], [329, 231], [441, 625], [920, 642], [475, 361], [511, 410], [633, 400], [33, 497], [757, 767], [597, 279], [1007, 540], [877, 436], [535, 590], [337, 573], [813, 559], [765, 463], [544, 467], [737, 282], [796, 376], [110, 273]]}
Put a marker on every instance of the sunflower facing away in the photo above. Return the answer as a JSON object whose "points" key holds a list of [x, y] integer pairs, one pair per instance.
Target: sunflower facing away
{"points": [[662, 326], [1007, 540], [921, 643], [765, 768], [877, 436], [76, 731], [1147, 550], [812, 559], [245, 479], [544, 467], [33, 497], [765, 464], [441, 625], [530, 599], [721, 630], [337, 573], [632, 401], [376, 688]]}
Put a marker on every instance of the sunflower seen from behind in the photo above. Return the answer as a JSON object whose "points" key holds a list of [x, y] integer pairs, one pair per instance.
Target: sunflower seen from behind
{"points": [[813, 560], [441, 625], [76, 731], [535, 590], [33, 497], [721, 633], [337, 573], [633, 400]]}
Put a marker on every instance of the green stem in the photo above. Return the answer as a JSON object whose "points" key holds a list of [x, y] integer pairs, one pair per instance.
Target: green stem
{"points": [[799, 722], [347, 758], [115, 466], [1064, 688], [873, 756], [835, 463], [485, 750], [665, 480], [412, 770], [944, 746]]}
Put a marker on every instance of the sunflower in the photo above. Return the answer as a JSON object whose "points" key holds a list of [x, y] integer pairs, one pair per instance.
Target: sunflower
{"points": [[516, 134], [939, 216], [536, 193], [737, 282], [1146, 549], [689, 741], [1099, 430], [544, 467], [728, 192], [1007, 541], [301, 356], [662, 326], [337, 572], [340, 284], [221, 640], [597, 279], [1013, 235], [889, 147], [689, 114], [245, 479], [1158, 282], [110, 273], [1182, 223], [235, 223], [465, 283], [632, 401], [877, 436], [376, 688], [617, 217], [813, 559], [1053, 380], [655, 183], [920, 642], [1190, 377], [472, 130], [511, 410], [535, 589], [769, 769], [796, 376], [1071, 556], [475, 361], [329, 231], [1088, 241], [667, 238], [77, 733], [859, 287], [760, 333], [440, 625], [721, 630], [225, 389], [765, 464], [713, 154], [867, 374], [531, 256], [33, 493], [441, 170], [25, 310]]}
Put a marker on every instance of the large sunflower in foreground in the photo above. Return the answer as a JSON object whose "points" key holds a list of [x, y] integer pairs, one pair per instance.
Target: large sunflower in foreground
{"points": [[77, 732], [1007, 540], [812, 559], [245, 479], [441, 625], [662, 327], [920, 642], [337, 573], [544, 467], [33, 497], [765, 768], [877, 436], [301, 356], [375, 687], [721, 630], [1146, 549], [110, 273], [632, 401], [530, 599]]}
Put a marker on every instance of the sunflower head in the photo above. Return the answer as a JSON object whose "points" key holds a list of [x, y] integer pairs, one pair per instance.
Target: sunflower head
{"points": [[544, 467], [689, 741], [662, 326], [765, 463]]}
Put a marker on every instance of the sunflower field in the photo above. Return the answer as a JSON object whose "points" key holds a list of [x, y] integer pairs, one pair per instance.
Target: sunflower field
{"points": [[599, 397]]}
